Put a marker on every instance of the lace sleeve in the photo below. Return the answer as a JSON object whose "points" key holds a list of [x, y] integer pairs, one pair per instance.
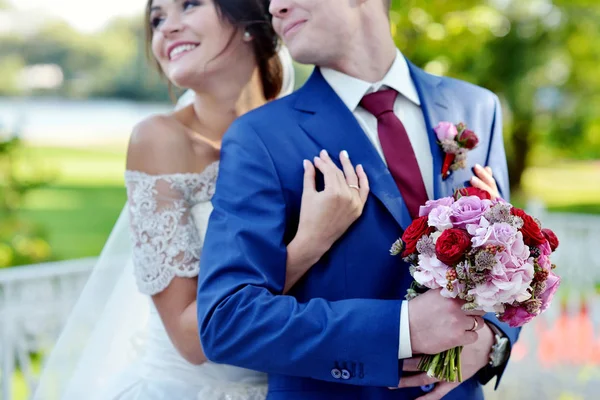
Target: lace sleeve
{"points": [[165, 240]]}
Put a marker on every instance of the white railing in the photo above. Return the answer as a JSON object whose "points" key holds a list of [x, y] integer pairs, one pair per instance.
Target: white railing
{"points": [[578, 256], [36, 300]]}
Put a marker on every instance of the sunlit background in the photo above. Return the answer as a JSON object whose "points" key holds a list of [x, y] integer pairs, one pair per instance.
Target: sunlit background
{"points": [[74, 80]]}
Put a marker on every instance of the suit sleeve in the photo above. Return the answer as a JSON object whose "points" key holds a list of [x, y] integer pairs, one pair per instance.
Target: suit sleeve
{"points": [[497, 160], [243, 318]]}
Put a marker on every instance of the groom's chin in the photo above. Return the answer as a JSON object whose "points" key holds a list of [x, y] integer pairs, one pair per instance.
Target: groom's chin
{"points": [[303, 53]]}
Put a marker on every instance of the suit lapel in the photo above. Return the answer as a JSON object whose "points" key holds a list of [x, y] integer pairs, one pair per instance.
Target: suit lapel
{"points": [[333, 126], [436, 108]]}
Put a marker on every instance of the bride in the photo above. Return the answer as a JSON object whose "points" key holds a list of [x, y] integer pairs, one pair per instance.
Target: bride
{"points": [[117, 344]]}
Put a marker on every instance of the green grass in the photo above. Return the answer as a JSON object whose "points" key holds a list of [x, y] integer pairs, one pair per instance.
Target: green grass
{"points": [[83, 202], [565, 187], [78, 219], [75, 166], [577, 208]]}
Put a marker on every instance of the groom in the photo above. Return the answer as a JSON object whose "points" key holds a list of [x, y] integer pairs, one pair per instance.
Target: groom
{"points": [[345, 332]]}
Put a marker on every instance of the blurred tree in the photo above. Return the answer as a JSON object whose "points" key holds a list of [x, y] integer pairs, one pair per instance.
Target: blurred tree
{"points": [[10, 67], [133, 76], [21, 242], [110, 63], [536, 55]]}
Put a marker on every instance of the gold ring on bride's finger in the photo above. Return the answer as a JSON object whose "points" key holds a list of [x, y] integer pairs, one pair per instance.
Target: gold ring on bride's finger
{"points": [[475, 325], [354, 187]]}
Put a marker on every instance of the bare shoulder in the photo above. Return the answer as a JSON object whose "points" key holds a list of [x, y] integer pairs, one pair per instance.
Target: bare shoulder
{"points": [[159, 145]]}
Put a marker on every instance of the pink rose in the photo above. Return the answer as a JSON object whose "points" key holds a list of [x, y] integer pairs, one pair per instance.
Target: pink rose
{"points": [[509, 279], [514, 272], [468, 210], [480, 232], [504, 285], [487, 297], [545, 249], [431, 204], [519, 248], [445, 131], [516, 316], [457, 288], [500, 233], [552, 284], [544, 258], [503, 234], [440, 218], [513, 285], [430, 272]]}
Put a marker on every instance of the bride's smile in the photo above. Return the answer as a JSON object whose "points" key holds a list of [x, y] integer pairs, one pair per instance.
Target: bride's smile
{"points": [[179, 49]]}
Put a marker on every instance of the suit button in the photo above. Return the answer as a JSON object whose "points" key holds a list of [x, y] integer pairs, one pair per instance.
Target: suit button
{"points": [[345, 374], [428, 388], [336, 373]]}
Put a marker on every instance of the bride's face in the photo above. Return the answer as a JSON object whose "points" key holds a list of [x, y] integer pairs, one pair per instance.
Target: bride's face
{"points": [[190, 40]]}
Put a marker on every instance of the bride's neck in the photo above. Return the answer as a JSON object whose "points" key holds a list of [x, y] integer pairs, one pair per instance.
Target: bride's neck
{"points": [[216, 109]]}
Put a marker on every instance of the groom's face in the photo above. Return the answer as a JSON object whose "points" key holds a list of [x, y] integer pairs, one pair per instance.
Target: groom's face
{"points": [[315, 31]]}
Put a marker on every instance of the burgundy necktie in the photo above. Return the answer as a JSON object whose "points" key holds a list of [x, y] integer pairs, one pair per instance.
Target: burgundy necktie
{"points": [[398, 152]]}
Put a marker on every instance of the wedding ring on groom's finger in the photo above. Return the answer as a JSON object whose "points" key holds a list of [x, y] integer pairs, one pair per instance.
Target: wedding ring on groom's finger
{"points": [[475, 325], [354, 187]]}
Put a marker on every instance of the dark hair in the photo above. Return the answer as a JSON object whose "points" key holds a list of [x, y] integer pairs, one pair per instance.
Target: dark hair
{"points": [[251, 16]]}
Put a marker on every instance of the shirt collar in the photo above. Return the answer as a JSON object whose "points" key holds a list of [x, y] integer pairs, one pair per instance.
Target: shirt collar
{"points": [[351, 90]]}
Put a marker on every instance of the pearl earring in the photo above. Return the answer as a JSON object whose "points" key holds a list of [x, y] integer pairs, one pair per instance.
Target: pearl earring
{"points": [[247, 36]]}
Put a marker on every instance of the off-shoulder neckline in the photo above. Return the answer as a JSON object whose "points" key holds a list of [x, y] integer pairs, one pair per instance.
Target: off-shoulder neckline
{"points": [[132, 174]]}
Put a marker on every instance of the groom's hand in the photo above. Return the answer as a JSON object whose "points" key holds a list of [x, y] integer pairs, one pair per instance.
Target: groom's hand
{"points": [[473, 357], [438, 323], [484, 180]]}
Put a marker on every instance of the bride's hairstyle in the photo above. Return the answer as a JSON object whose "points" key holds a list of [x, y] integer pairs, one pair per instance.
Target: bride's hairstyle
{"points": [[253, 17]]}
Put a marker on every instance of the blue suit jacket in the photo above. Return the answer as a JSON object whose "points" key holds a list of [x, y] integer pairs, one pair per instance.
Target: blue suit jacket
{"points": [[336, 334]]}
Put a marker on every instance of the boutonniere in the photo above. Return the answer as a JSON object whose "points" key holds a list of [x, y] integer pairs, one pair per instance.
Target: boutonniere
{"points": [[456, 141]]}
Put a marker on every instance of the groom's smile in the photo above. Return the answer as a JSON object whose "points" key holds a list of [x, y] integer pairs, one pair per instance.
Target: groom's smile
{"points": [[292, 28]]}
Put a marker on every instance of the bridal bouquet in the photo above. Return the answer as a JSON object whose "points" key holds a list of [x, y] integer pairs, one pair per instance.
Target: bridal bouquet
{"points": [[486, 252]]}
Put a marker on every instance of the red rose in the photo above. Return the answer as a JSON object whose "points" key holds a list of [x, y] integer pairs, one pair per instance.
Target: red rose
{"points": [[551, 238], [413, 233], [532, 233], [472, 191], [452, 245], [468, 139]]}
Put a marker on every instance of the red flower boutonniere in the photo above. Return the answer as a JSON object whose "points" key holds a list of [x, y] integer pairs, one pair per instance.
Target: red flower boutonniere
{"points": [[456, 141]]}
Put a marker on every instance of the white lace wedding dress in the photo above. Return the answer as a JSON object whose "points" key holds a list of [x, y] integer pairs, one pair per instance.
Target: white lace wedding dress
{"points": [[169, 216]]}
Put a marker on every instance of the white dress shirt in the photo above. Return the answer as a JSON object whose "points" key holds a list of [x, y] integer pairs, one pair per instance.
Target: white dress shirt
{"points": [[408, 109]]}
